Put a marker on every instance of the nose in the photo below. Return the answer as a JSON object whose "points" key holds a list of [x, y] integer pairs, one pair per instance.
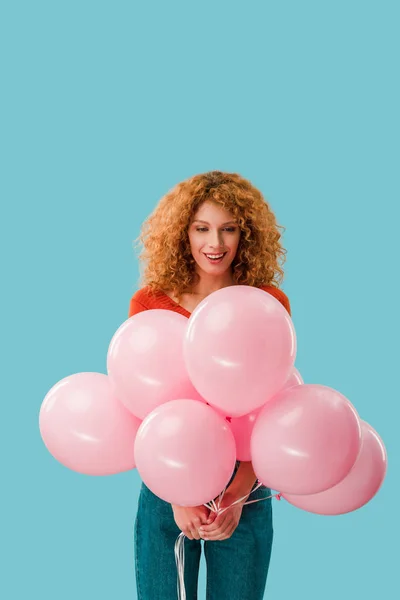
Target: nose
{"points": [[215, 240]]}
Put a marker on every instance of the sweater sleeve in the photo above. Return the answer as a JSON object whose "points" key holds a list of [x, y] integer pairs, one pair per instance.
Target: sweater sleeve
{"points": [[281, 296], [135, 307]]}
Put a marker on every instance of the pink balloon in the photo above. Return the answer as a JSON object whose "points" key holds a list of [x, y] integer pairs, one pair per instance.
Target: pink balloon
{"points": [[86, 428], [196, 396], [145, 361], [239, 348], [358, 487], [305, 440], [185, 452], [294, 379], [242, 427]]}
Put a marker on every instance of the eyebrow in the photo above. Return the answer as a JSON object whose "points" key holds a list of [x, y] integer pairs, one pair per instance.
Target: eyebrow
{"points": [[200, 221]]}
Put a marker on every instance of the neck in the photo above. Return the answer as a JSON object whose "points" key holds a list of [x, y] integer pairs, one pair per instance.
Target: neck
{"points": [[211, 283]]}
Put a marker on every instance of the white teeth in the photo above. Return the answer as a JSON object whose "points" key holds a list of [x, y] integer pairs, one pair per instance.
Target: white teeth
{"points": [[214, 255]]}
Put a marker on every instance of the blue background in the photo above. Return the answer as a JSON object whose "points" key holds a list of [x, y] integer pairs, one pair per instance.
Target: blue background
{"points": [[105, 107]]}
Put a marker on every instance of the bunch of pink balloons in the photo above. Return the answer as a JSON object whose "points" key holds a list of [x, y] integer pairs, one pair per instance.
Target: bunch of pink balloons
{"points": [[184, 399]]}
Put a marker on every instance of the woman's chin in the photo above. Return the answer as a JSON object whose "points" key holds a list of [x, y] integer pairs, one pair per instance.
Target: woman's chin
{"points": [[210, 269]]}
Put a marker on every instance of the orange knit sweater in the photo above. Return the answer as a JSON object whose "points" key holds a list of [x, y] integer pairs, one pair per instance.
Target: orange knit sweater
{"points": [[144, 299]]}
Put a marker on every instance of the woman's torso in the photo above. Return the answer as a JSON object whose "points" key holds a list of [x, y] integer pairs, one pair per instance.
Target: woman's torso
{"points": [[188, 301], [145, 299]]}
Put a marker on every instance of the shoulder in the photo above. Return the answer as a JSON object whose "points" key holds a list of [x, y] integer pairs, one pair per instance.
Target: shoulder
{"points": [[143, 295], [279, 295], [142, 299]]}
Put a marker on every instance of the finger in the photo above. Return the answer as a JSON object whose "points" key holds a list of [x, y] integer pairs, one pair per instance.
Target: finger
{"points": [[216, 524], [188, 531], [225, 534], [228, 533], [211, 518], [195, 534], [216, 534], [196, 523]]}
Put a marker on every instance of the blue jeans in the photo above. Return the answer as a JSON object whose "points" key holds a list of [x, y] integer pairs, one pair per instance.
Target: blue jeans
{"points": [[237, 567]]}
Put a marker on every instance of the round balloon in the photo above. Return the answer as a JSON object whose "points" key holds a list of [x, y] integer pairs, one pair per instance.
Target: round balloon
{"points": [[145, 361], [358, 487], [294, 379], [305, 440], [242, 427], [185, 452], [239, 348], [86, 428]]}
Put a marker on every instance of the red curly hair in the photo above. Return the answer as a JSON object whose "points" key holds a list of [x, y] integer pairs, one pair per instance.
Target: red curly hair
{"points": [[166, 254]]}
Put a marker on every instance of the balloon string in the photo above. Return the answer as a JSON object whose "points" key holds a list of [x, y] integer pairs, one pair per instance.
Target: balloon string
{"points": [[180, 565], [179, 544]]}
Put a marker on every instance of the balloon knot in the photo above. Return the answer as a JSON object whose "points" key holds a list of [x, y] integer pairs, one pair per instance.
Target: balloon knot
{"points": [[278, 496]]}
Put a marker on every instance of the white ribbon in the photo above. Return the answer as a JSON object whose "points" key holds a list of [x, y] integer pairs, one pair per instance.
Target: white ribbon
{"points": [[180, 565], [180, 542]]}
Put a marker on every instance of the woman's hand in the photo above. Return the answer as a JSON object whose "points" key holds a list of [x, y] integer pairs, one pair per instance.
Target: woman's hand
{"points": [[224, 524], [189, 519]]}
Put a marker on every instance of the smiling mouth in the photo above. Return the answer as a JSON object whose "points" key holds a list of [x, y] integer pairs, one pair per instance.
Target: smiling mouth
{"points": [[215, 258]]}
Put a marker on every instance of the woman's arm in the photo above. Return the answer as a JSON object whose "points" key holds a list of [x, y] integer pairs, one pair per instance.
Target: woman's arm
{"points": [[135, 307], [243, 481]]}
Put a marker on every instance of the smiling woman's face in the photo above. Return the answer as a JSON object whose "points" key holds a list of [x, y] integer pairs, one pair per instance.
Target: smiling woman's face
{"points": [[213, 231]]}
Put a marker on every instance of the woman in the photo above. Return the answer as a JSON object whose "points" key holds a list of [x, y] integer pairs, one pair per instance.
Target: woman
{"points": [[210, 231]]}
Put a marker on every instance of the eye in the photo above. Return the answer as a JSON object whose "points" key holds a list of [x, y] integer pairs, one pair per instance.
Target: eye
{"points": [[229, 229]]}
